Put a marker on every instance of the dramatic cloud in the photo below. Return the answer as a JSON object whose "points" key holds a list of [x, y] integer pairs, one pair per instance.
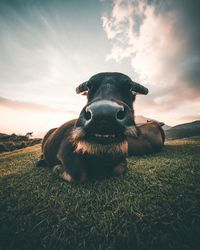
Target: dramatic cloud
{"points": [[30, 106], [49, 47], [161, 40], [46, 48]]}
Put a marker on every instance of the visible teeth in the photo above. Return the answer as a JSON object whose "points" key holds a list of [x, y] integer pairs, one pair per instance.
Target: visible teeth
{"points": [[97, 135], [104, 136], [112, 136]]}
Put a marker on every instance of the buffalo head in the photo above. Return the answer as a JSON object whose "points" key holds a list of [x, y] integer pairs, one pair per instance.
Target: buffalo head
{"points": [[108, 117]]}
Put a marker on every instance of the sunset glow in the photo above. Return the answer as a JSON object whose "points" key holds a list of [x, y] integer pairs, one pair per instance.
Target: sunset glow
{"points": [[47, 48]]}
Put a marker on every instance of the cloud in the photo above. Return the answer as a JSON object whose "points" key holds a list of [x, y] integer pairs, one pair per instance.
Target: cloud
{"points": [[30, 106], [162, 41], [46, 49]]}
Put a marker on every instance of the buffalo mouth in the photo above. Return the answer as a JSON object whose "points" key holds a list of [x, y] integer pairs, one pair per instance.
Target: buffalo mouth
{"points": [[98, 138], [97, 143]]}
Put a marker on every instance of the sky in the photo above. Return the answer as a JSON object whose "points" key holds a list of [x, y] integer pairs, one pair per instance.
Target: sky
{"points": [[47, 48]]}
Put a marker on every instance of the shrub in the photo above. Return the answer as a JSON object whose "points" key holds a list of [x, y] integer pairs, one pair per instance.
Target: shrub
{"points": [[11, 145], [3, 148]]}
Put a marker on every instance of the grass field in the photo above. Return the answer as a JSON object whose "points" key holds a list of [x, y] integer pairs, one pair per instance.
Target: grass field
{"points": [[155, 205]]}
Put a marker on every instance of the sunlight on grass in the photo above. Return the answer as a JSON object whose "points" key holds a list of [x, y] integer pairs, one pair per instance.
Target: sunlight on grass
{"points": [[18, 161]]}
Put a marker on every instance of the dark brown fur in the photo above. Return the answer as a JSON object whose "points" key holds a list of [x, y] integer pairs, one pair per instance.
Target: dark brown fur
{"points": [[58, 152], [151, 139]]}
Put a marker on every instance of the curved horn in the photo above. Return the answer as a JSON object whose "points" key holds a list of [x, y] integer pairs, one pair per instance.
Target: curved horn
{"points": [[81, 88], [138, 88]]}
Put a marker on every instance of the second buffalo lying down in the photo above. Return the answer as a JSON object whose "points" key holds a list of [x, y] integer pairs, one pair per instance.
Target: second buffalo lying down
{"points": [[98, 142]]}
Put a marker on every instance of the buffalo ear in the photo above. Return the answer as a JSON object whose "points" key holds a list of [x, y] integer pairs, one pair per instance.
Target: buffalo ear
{"points": [[137, 88], [82, 88]]}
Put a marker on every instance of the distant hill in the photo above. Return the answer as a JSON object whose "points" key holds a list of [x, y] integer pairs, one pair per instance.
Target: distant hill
{"points": [[13, 141], [183, 130]]}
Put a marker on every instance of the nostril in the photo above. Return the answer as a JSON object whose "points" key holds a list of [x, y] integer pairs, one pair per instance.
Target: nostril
{"points": [[121, 114], [88, 115]]}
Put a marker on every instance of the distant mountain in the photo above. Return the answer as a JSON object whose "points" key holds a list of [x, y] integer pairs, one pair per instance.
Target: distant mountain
{"points": [[183, 130]]}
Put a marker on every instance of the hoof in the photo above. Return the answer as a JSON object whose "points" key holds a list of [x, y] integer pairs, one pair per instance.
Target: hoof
{"points": [[120, 168], [66, 177], [63, 174], [58, 169]]}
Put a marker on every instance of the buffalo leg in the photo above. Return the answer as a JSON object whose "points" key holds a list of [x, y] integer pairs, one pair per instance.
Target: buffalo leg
{"points": [[63, 174], [71, 169]]}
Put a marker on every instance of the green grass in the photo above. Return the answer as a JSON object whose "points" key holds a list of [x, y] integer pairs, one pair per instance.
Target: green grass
{"points": [[155, 205]]}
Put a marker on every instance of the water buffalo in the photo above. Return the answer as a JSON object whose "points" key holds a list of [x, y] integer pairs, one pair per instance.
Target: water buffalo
{"points": [[151, 138], [97, 143]]}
